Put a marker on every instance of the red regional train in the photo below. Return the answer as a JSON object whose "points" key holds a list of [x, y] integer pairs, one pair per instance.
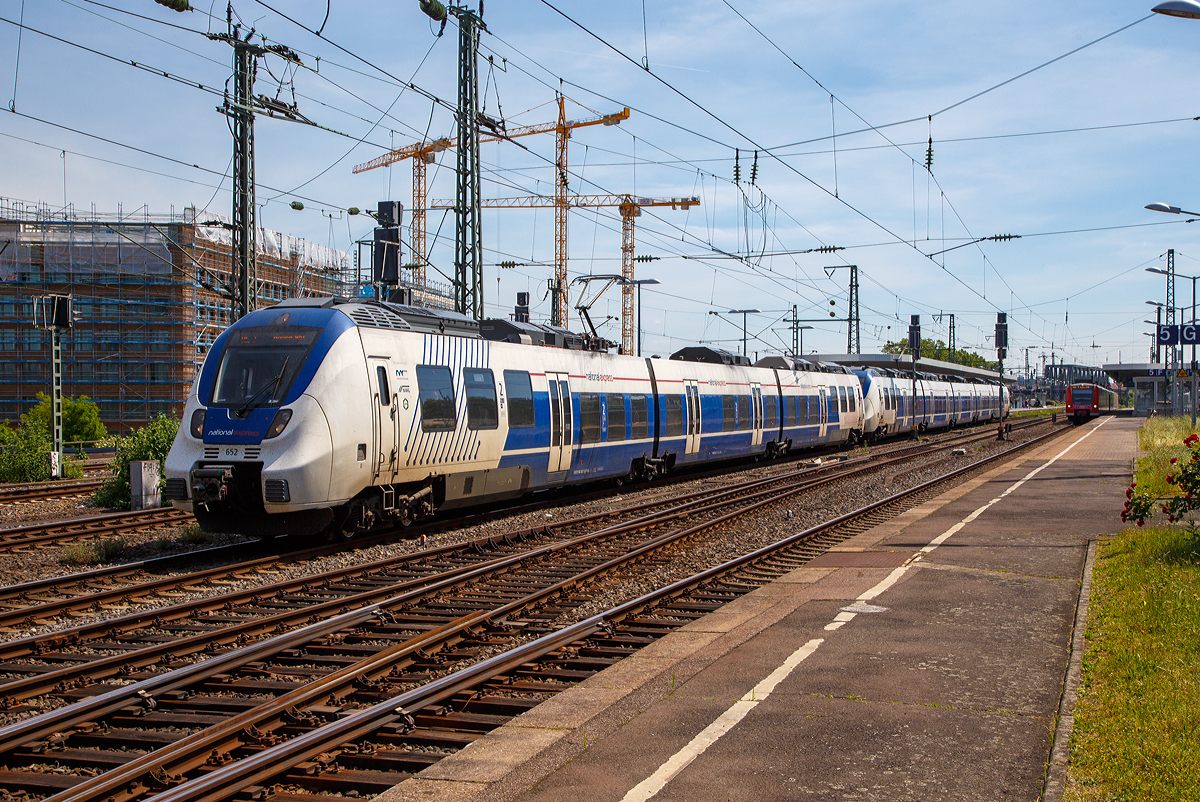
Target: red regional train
{"points": [[1087, 400]]}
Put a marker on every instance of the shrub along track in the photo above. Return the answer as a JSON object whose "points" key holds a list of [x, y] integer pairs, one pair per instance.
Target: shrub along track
{"points": [[382, 688]]}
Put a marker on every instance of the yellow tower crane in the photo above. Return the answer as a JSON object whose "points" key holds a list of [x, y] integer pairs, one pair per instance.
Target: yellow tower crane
{"points": [[630, 207], [423, 153]]}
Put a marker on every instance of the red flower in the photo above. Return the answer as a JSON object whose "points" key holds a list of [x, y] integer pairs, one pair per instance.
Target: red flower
{"points": [[1141, 521], [1174, 460]]}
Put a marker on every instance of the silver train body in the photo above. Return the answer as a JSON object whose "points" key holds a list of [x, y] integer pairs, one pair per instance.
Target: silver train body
{"points": [[333, 416]]}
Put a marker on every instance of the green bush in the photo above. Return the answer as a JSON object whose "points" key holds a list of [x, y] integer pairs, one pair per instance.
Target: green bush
{"points": [[152, 441], [81, 418], [24, 453]]}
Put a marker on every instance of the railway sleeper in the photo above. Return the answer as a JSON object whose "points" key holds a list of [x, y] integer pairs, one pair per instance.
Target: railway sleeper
{"points": [[362, 782]]}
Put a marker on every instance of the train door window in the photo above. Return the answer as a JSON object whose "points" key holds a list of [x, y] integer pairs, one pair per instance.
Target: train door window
{"points": [[639, 423], [568, 423], [853, 393], [673, 415], [616, 416], [770, 415], [589, 417], [436, 390], [555, 416], [481, 399], [520, 399], [385, 397], [728, 413], [842, 404]]}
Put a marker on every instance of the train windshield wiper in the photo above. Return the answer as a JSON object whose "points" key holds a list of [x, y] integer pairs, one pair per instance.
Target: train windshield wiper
{"points": [[273, 386]]}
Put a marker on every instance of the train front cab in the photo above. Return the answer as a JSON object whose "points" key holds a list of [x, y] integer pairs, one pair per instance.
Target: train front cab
{"points": [[236, 463]]}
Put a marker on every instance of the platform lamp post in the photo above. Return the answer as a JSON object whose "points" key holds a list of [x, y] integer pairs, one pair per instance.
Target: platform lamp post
{"points": [[1192, 332], [744, 313], [800, 332]]}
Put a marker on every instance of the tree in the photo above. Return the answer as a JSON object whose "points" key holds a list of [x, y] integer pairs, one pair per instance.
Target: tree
{"points": [[931, 349], [81, 418]]}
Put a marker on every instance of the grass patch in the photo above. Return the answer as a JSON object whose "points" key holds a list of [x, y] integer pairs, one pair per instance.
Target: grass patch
{"points": [[1138, 722], [93, 552], [193, 535]]}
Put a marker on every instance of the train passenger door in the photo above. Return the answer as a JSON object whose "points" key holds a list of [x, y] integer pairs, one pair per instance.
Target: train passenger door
{"points": [[756, 412], [692, 388], [385, 430], [560, 422], [824, 407]]}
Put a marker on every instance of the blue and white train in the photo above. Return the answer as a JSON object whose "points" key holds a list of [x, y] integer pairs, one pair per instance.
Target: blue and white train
{"points": [[333, 416], [896, 401]]}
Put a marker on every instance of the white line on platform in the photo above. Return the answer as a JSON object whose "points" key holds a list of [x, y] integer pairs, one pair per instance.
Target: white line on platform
{"points": [[650, 786]]}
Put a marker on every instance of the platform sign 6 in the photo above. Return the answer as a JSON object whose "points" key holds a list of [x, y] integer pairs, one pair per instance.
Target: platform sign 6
{"points": [[1189, 334], [1168, 335]]}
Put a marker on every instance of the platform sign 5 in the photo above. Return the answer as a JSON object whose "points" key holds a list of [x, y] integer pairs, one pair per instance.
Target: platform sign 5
{"points": [[1168, 335], [1189, 334]]}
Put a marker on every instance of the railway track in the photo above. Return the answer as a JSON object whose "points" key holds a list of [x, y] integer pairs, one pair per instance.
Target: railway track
{"points": [[40, 490], [383, 675], [142, 584], [92, 526]]}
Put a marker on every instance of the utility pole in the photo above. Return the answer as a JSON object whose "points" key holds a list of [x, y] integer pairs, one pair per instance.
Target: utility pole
{"points": [[1173, 361], [240, 109], [468, 240], [853, 335]]}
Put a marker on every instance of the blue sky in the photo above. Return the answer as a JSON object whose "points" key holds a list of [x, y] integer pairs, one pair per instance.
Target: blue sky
{"points": [[1011, 161]]}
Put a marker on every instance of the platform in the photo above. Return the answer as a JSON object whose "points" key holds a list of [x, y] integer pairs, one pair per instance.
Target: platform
{"points": [[924, 659]]}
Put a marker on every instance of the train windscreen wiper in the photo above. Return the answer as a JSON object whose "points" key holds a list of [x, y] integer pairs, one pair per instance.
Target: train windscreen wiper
{"points": [[273, 386]]}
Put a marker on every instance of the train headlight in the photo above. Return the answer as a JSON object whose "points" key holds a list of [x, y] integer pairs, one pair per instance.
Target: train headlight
{"points": [[279, 423], [198, 424]]}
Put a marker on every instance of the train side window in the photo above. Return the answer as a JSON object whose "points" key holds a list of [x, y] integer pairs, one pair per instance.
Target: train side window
{"points": [[385, 397], [728, 413], [481, 399], [770, 418], [745, 417], [842, 399], [638, 419], [520, 399], [589, 417], [673, 415], [616, 416], [436, 390], [853, 393]]}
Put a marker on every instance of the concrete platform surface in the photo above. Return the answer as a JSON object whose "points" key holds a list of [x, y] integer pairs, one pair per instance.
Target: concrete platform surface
{"points": [[924, 660]]}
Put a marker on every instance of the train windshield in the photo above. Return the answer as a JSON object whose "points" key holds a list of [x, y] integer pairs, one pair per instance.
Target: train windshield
{"points": [[260, 364], [1081, 396]]}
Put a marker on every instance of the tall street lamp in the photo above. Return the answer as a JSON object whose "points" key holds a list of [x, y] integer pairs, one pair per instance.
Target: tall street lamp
{"points": [[801, 330], [639, 282], [743, 313], [1188, 9]]}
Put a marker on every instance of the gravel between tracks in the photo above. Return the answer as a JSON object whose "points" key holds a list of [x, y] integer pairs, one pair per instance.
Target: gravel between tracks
{"points": [[710, 548]]}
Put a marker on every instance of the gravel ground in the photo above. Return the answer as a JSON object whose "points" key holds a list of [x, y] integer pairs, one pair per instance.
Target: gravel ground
{"points": [[710, 548]]}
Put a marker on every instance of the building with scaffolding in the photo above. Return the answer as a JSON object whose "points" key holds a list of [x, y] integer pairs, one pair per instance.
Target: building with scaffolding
{"points": [[150, 292]]}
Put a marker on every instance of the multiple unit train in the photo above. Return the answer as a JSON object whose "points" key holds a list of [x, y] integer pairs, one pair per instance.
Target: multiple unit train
{"points": [[331, 415], [1084, 401]]}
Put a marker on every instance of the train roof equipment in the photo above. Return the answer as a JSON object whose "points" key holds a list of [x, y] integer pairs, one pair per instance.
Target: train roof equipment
{"points": [[712, 356]]}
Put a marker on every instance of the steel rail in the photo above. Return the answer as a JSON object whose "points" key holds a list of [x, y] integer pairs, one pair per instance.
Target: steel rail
{"points": [[89, 527], [41, 491]]}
